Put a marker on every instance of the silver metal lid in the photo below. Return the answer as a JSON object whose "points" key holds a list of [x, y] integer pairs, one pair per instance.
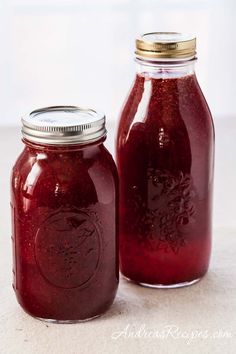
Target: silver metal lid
{"points": [[62, 125]]}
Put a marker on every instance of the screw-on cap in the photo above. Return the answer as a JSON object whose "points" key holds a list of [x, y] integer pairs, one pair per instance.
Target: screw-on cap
{"points": [[166, 45], [62, 125]]}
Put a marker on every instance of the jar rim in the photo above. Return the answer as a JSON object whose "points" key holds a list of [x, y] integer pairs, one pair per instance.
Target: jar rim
{"points": [[63, 125]]}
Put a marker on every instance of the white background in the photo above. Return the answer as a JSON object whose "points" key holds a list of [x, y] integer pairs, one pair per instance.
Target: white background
{"points": [[81, 52]]}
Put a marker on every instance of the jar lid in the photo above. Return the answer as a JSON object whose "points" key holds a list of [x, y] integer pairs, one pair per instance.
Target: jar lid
{"points": [[62, 125], [167, 45]]}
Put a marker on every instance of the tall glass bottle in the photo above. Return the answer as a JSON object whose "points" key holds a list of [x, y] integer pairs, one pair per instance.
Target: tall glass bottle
{"points": [[165, 157]]}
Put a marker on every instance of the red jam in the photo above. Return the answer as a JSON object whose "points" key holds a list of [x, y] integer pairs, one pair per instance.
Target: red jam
{"points": [[64, 230], [165, 162]]}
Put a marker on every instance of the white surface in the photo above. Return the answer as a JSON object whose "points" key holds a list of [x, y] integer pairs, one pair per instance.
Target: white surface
{"points": [[81, 52], [207, 306]]}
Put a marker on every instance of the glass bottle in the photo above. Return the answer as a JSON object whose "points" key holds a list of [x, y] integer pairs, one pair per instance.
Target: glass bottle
{"points": [[165, 158], [64, 212]]}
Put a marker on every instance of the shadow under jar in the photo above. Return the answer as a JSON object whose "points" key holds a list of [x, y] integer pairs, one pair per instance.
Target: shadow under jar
{"points": [[165, 157], [64, 216]]}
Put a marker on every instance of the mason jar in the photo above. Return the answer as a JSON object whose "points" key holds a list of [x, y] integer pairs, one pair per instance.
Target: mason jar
{"points": [[64, 216]]}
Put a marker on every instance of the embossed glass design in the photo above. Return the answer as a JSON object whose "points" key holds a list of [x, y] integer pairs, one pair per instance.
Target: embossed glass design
{"points": [[165, 153], [64, 230]]}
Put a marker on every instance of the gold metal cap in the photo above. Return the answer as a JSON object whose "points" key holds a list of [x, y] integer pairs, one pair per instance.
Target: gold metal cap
{"points": [[167, 45]]}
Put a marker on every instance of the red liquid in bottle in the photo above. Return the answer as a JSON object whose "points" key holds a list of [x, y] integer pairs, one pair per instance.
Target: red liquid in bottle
{"points": [[64, 230], [165, 162]]}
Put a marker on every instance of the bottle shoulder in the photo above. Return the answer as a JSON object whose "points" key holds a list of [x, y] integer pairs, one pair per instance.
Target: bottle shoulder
{"points": [[161, 103]]}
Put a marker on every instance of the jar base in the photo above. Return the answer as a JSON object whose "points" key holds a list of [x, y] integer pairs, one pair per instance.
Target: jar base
{"points": [[164, 286], [49, 320]]}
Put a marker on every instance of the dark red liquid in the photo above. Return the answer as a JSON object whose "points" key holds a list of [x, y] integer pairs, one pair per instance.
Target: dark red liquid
{"points": [[64, 231], [165, 151]]}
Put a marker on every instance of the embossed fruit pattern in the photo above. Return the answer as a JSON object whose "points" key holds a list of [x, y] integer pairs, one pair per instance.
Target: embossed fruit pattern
{"points": [[168, 209], [67, 249]]}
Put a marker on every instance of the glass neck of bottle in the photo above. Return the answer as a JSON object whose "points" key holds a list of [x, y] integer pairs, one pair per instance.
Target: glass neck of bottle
{"points": [[165, 69]]}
